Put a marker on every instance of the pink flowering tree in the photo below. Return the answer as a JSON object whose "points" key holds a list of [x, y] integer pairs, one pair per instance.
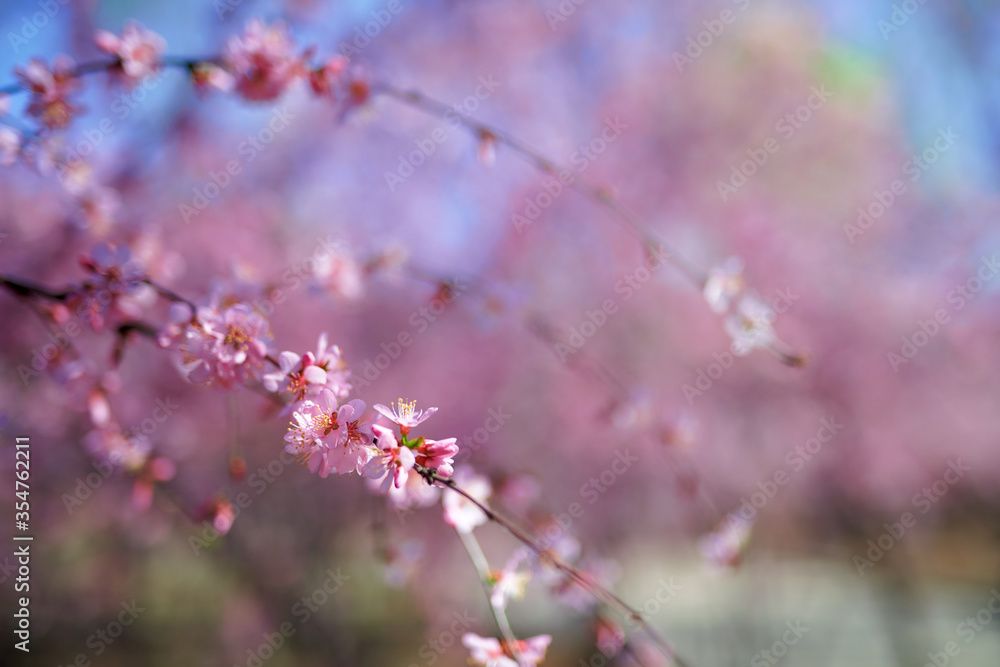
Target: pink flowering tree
{"points": [[222, 260]]}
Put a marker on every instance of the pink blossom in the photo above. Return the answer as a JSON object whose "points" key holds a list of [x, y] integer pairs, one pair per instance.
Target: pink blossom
{"points": [[10, 145], [724, 283], [49, 90], [510, 582], [491, 652], [262, 61], [207, 76], [406, 416], [749, 325], [109, 444], [329, 439], [295, 374], [461, 512], [139, 51], [414, 493], [725, 546], [341, 274], [394, 462], [328, 80], [218, 348], [108, 298], [438, 455]]}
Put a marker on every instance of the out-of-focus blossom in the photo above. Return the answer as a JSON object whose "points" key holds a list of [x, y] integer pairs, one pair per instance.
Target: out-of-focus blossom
{"points": [[159, 469], [207, 77], [604, 571], [220, 513], [405, 415], [610, 636], [394, 462], [749, 325], [111, 294], [341, 274], [98, 408], [491, 652], [50, 89], [486, 150], [110, 444], [99, 206], [10, 145], [725, 546], [139, 51], [118, 270], [461, 512], [262, 61], [328, 80], [414, 494], [510, 582], [518, 492], [218, 348], [724, 283]]}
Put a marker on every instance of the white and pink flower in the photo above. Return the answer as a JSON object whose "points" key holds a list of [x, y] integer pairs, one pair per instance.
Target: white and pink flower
{"points": [[405, 415], [224, 349], [262, 61], [50, 89], [459, 511], [394, 462], [491, 652], [328, 439], [438, 455], [139, 51]]}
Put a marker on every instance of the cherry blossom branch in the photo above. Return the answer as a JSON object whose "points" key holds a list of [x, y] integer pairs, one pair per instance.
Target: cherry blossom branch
{"points": [[580, 578], [479, 561]]}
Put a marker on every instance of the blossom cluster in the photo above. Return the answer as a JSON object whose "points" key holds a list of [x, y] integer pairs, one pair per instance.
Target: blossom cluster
{"points": [[259, 65], [747, 319]]}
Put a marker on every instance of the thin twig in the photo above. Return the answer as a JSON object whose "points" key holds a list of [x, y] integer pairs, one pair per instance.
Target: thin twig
{"points": [[575, 575]]}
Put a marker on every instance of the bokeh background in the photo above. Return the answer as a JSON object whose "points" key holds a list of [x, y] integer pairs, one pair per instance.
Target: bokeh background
{"points": [[896, 83]]}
